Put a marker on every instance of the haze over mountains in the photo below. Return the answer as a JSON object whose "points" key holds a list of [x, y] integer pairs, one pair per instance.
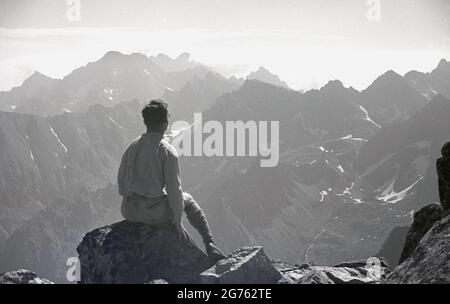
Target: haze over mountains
{"points": [[353, 165]]}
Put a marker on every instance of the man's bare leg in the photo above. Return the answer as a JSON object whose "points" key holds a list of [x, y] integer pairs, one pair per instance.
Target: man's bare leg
{"points": [[197, 219]]}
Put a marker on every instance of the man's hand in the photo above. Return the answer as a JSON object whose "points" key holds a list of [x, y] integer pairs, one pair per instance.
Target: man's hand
{"points": [[180, 230]]}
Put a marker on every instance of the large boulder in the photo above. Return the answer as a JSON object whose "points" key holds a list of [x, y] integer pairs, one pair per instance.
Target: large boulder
{"points": [[248, 265], [370, 271], [128, 252], [430, 261], [22, 276], [424, 219]]}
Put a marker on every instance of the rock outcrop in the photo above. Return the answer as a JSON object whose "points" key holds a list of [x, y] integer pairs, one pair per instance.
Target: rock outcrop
{"points": [[128, 252], [22, 276], [157, 282], [248, 265], [430, 260], [368, 271], [424, 219], [443, 172]]}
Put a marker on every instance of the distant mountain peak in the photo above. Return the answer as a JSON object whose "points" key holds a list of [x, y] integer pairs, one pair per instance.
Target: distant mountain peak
{"points": [[112, 54], [392, 75], [443, 64], [162, 56], [389, 79], [115, 56], [184, 57], [139, 55], [334, 84], [181, 63], [263, 70], [264, 75], [255, 86], [443, 61], [414, 74], [37, 79], [38, 75]]}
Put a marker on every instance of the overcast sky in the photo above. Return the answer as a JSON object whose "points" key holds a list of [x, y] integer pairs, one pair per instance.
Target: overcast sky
{"points": [[305, 42]]}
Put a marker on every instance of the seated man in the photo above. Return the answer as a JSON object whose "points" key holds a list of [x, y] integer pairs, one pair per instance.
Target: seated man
{"points": [[149, 181], [443, 171]]}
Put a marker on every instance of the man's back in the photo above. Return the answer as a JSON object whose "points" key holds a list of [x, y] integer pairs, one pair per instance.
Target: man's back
{"points": [[141, 169], [149, 169]]}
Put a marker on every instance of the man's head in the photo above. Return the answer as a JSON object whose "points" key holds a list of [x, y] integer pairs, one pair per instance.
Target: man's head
{"points": [[445, 151], [156, 116]]}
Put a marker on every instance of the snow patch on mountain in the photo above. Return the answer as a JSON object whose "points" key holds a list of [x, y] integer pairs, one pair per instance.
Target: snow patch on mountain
{"points": [[323, 194], [59, 141], [350, 136], [390, 196], [367, 117], [115, 122]]}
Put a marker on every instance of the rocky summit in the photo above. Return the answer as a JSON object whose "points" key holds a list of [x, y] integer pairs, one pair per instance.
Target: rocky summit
{"points": [[424, 219], [370, 271], [128, 252], [136, 253], [429, 262], [248, 265]]}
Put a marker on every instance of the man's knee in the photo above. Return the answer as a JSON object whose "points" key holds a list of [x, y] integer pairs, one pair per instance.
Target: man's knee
{"points": [[188, 200], [187, 197]]}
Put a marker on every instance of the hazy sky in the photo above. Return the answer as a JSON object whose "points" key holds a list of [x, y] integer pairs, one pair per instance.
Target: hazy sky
{"points": [[305, 42]]}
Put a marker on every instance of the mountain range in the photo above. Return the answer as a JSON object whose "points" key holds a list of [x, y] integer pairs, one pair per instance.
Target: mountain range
{"points": [[353, 164]]}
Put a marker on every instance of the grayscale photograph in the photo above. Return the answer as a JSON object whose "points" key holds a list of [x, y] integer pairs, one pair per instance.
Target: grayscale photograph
{"points": [[255, 145]]}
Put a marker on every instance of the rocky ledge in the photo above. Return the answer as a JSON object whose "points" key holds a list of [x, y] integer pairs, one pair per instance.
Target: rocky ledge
{"points": [[370, 271], [128, 252], [424, 219], [429, 261], [22, 276], [135, 253]]}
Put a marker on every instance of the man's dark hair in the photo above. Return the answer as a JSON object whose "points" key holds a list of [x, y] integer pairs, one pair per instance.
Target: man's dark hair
{"points": [[155, 114], [445, 151]]}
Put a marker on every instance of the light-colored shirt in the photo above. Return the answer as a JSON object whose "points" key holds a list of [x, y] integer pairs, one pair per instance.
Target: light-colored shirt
{"points": [[149, 167]]}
